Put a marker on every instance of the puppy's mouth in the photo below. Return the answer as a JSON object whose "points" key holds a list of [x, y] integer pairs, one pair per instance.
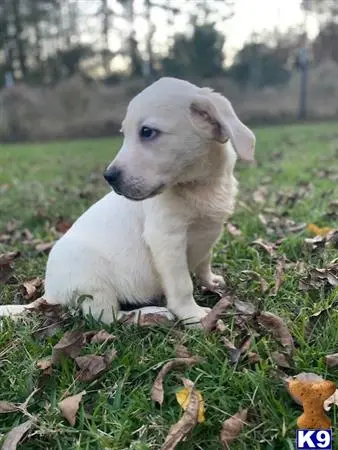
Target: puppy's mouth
{"points": [[138, 196]]}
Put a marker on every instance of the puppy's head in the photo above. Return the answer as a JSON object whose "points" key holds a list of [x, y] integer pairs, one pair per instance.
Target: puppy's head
{"points": [[168, 131]]}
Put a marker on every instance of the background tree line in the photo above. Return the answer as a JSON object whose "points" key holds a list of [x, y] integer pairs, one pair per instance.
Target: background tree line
{"points": [[45, 41]]}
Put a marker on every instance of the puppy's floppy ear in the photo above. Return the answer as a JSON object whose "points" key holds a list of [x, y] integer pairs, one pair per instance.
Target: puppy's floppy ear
{"points": [[214, 118]]}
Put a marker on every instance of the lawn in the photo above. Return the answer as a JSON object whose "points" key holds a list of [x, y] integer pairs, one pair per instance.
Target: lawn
{"points": [[42, 185]]}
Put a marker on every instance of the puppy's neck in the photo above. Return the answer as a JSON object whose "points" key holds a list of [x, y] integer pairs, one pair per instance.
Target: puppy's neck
{"points": [[214, 168]]}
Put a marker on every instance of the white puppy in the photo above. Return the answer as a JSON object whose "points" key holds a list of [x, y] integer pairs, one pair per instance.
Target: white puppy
{"points": [[173, 187]]}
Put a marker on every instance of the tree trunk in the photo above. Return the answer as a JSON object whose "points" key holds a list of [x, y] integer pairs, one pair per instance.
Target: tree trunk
{"points": [[20, 45], [148, 63]]}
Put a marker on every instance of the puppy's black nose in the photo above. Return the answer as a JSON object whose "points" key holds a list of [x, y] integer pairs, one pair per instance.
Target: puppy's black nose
{"points": [[113, 176]]}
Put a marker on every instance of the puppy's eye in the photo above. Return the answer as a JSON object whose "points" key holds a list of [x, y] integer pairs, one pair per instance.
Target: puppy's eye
{"points": [[148, 133]]}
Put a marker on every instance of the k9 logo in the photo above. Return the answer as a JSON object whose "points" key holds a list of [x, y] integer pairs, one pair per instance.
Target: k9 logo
{"points": [[314, 439]]}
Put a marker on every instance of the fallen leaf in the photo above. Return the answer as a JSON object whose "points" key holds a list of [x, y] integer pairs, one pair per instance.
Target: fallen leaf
{"points": [[333, 400], [245, 345], [264, 284], [70, 405], [315, 243], [44, 247], [269, 247], [6, 269], [45, 365], [157, 391], [69, 345], [146, 319], [278, 328], [99, 337], [14, 437], [234, 231], [259, 196], [209, 322], [245, 308], [332, 360], [32, 289], [278, 276], [8, 407], [187, 422], [11, 226], [280, 359], [220, 326], [329, 273], [317, 277], [317, 231], [234, 352], [232, 427], [92, 366], [253, 358], [183, 399], [63, 225], [182, 351]]}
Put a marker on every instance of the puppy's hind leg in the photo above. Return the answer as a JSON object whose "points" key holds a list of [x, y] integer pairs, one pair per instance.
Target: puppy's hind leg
{"points": [[147, 314], [102, 305]]}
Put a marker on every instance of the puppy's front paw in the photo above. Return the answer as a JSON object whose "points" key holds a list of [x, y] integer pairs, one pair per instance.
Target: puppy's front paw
{"points": [[213, 282], [192, 317]]}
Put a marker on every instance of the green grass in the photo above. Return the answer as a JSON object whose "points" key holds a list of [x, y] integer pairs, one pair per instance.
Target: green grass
{"points": [[46, 181]]}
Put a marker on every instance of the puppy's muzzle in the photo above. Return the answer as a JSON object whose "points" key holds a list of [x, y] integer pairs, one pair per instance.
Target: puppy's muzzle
{"points": [[114, 177]]}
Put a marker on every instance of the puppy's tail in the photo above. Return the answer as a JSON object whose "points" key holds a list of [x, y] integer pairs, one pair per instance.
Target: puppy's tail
{"points": [[12, 310], [16, 311]]}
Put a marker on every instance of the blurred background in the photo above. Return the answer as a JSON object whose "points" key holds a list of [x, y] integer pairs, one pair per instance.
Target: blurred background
{"points": [[69, 67]]}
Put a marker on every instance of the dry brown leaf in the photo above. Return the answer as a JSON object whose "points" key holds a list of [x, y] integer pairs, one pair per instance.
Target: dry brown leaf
{"points": [[70, 405], [220, 326], [278, 276], [276, 326], [8, 407], [333, 400], [253, 358], [63, 225], [14, 437], [259, 196], [232, 427], [234, 231], [332, 360], [157, 391], [69, 345], [45, 365], [317, 231], [44, 247], [6, 269], [264, 284], [146, 319], [40, 305], [32, 289], [280, 359], [182, 351], [234, 352], [92, 366], [330, 274], [187, 422], [269, 247], [245, 308], [209, 322], [100, 337]]}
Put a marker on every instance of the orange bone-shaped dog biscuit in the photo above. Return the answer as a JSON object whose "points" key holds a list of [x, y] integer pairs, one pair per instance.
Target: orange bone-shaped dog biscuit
{"points": [[312, 396]]}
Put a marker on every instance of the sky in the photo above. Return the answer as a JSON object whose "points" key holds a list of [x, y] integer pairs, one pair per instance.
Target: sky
{"points": [[250, 16], [261, 15]]}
